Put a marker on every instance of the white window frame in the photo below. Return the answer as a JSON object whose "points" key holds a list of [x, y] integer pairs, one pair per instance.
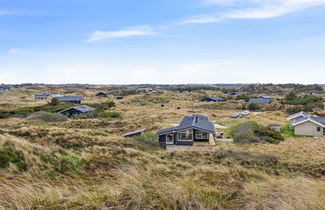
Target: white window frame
{"points": [[179, 135], [201, 136], [172, 140]]}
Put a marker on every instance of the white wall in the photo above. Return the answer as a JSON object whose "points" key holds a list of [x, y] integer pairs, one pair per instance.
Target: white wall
{"points": [[308, 129]]}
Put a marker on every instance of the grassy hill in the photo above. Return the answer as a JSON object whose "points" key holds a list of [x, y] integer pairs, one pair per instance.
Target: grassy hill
{"points": [[86, 164]]}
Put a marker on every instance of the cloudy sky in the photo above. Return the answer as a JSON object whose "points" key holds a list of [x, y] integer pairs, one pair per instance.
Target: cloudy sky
{"points": [[162, 41]]}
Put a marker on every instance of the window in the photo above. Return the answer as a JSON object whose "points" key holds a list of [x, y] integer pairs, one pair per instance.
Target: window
{"points": [[201, 135], [170, 138], [318, 129], [186, 135]]}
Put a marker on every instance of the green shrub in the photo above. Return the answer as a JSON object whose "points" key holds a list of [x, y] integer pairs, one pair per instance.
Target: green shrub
{"points": [[101, 107], [54, 102], [147, 141], [62, 163], [245, 132], [253, 106], [306, 102], [8, 155], [286, 130], [47, 117], [252, 132], [25, 111]]}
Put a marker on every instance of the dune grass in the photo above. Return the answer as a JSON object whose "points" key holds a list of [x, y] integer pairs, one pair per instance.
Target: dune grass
{"points": [[86, 164]]}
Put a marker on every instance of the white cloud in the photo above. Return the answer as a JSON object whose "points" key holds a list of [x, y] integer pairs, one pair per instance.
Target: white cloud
{"points": [[275, 8], [254, 9], [202, 19], [15, 51], [123, 33]]}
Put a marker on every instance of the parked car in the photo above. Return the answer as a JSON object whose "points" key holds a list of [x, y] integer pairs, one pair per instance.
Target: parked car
{"points": [[246, 112], [235, 115]]}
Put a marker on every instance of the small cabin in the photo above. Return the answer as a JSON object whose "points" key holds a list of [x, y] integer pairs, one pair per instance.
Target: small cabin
{"points": [[260, 100], [41, 97], [101, 95], [119, 97], [134, 133], [71, 99], [77, 110], [213, 99], [5, 89], [234, 93], [194, 130]]}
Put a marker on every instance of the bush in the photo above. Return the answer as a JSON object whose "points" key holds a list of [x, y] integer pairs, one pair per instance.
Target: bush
{"points": [[47, 117], [147, 141], [251, 132], [306, 102], [286, 130], [25, 111], [108, 114], [54, 102], [101, 107], [8, 155], [253, 106], [62, 163]]}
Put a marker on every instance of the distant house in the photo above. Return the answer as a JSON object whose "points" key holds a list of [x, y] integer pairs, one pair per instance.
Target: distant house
{"points": [[310, 125], [275, 127], [56, 95], [154, 94], [101, 95], [213, 99], [4, 88], [260, 100], [297, 115], [119, 97], [77, 110], [71, 99], [42, 96], [134, 133], [194, 130], [234, 93], [268, 97], [146, 89]]}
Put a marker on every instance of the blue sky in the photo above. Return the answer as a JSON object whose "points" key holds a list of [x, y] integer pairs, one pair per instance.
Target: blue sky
{"points": [[154, 41]]}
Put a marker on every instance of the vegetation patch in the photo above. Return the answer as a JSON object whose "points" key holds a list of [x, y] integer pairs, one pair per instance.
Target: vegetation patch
{"points": [[252, 132], [25, 111], [61, 163], [8, 154], [303, 103], [47, 117]]}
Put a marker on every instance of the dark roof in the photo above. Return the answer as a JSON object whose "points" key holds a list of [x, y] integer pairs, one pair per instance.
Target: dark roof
{"points": [[213, 98], [196, 121], [260, 100], [101, 93], [311, 118], [70, 98], [320, 120], [134, 133], [43, 94], [82, 108], [233, 93]]}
